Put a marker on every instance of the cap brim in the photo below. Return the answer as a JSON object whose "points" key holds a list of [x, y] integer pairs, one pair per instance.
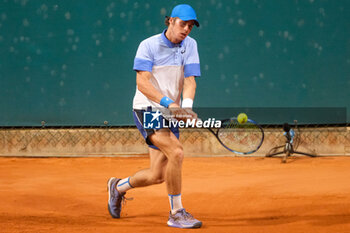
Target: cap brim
{"points": [[188, 19]]}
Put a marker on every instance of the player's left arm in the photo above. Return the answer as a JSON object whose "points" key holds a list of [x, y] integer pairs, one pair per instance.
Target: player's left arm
{"points": [[191, 71], [188, 94], [189, 89]]}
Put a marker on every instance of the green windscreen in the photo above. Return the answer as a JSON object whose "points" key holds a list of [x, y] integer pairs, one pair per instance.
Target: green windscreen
{"points": [[70, 62]]}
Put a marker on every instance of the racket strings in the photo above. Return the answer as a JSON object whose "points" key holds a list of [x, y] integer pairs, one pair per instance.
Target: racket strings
{"points": [[240, 137]]}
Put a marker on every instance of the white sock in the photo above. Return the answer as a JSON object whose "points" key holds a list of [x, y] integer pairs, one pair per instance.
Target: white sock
{"points": [[124, 185], [175, 202]]}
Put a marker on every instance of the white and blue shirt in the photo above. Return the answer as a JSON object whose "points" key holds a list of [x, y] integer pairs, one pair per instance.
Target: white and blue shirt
{"points": [[169, 64]]}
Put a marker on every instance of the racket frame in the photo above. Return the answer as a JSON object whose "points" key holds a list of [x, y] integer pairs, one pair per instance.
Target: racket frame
{"points": [[234, 151]]}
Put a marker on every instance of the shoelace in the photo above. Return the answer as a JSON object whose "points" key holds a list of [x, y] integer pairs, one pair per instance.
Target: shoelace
{"points": [[124, 199], [187, 215]]}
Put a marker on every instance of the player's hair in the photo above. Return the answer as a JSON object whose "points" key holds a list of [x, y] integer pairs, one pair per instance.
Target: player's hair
{"points": [[166, 21], [167, 18]]}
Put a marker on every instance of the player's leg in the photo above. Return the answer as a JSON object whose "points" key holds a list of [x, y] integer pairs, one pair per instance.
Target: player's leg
{"points": [[153, 175], [170, 145]]}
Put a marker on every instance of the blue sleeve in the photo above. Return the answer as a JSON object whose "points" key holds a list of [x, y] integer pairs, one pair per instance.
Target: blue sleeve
{"points": [[143, 60], [192, 65]]}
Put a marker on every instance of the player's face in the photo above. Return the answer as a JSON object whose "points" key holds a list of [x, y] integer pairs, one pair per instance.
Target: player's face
{"points": [[180, 29]]}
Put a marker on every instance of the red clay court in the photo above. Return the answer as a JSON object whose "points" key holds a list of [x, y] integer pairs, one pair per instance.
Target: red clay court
{"points": [[239, 194]]}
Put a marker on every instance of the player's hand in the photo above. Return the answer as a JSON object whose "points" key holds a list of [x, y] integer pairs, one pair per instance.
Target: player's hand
{"points": [[191, 113], [182, 113]]}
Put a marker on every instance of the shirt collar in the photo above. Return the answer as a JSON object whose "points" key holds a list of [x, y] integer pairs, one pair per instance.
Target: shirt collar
{"points": [[168, 42]]}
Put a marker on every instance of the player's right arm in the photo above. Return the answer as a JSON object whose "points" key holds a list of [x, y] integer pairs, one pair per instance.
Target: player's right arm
{"points": [[145, 86], [143, 64]]}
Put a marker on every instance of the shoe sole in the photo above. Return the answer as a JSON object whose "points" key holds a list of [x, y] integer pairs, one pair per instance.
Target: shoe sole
{"points": [[196, 225]]}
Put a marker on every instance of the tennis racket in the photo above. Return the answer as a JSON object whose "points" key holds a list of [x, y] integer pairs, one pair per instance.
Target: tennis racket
{"points": [[239, 138], [245, 138]]}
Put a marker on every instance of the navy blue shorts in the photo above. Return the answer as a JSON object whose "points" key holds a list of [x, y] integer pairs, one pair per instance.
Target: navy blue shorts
{"points": [[138, 118]]}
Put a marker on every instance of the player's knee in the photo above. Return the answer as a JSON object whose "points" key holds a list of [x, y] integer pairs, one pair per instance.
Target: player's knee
{"points": [[177, 155]]}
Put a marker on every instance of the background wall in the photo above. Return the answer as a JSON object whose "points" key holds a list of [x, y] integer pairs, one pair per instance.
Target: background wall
{"points": [[70, 62]]}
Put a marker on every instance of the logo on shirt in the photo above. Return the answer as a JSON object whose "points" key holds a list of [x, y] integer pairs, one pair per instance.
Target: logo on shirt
{"points": [[152, 120]]}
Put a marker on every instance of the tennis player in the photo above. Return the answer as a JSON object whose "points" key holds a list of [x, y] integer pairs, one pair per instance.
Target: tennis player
{"points": [[166, 65]]}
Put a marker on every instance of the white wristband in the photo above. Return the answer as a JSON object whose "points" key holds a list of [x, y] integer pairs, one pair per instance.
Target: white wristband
{"points": [[187, 103]]}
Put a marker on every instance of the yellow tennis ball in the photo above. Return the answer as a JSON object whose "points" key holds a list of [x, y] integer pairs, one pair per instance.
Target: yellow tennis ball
{"points": [[242, 118]]}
